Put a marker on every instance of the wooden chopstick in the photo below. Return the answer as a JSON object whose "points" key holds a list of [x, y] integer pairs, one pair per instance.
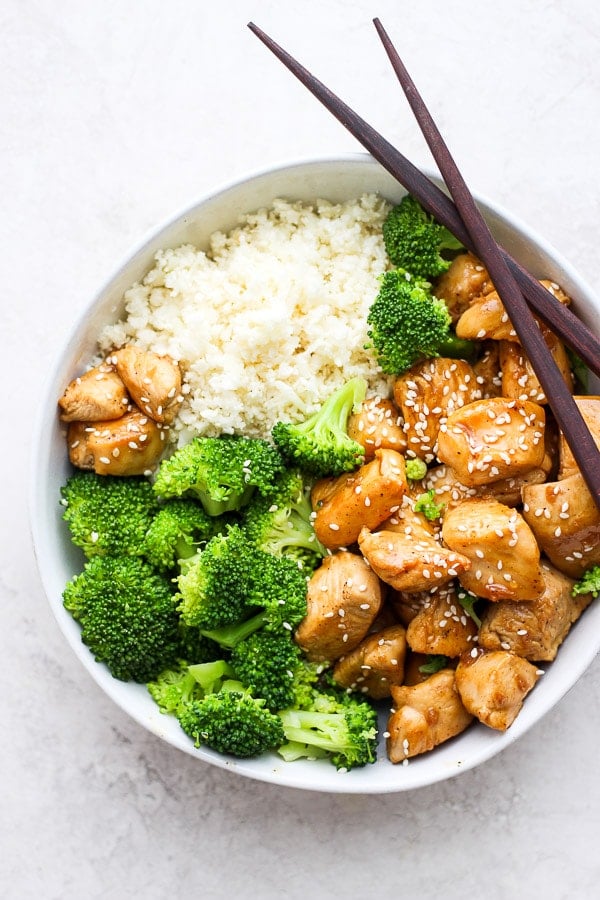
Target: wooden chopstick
{"points": [[566, 412], [556, 315]]}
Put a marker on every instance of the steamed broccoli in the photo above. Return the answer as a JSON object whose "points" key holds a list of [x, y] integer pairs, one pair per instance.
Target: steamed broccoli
{"points": [[127, 615], [468, 601], [589, 583], [281, 523], [342, 728], [221, 472], [321, 445], [416, 469], [415, 241], [175, 688], [175, 532], [214, 587], [274, 598], [426, 504], [267, 664], [406, 322], [233, 722], [108, 515], [435, 662]]}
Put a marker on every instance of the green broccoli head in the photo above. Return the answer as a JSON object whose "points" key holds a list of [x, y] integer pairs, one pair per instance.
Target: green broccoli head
{"points": [[175, 532], [108, 515], [589, 583], [281, 524], [174, 688], [415, 241], [406, 322], [320, 445], [221, 472], [127, 615], [232, 722], [214, 586], [426, 504], [416, 469], [266, 663], [344, 729]]}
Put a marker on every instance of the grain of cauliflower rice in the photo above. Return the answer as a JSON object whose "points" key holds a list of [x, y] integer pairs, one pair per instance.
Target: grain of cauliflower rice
{"points": [[270, 320]]}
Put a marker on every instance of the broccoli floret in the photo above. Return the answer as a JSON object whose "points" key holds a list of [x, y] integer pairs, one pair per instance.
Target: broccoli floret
{"points": [[174, 688], [277, 590], [468, 600], [282, 523], [221, 472], [426, 504], [214, 586], [267, 663], [407, 322], [434, 663], [176, 531], [589, 583], [416, 469], [343, 728], [127, 615], [415, 241], [321, 445], [232, 722], [196, 647], [108, 515]]}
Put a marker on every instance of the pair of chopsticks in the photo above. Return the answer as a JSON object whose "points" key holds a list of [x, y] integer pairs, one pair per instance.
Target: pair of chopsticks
{"points": [[519, 291]]}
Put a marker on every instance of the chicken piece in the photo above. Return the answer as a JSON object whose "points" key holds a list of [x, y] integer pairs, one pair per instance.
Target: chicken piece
{"points": [[377, 425], [450, 491], [364, 497], [153, 381], [487, 319], [566, 523], [466, 279], [488, 373], [502, 550], [490, 440], [519, 380], [441, 627], [427, 394], [406, 606], [534, 629], [344, 598], [96, 396], [376, 664], [131, 445], [493, 685], [425, 715], [410, 563], [589, 408]]}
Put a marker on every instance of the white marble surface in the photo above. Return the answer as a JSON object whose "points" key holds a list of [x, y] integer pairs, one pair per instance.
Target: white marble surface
{"points": [[114, 114]]}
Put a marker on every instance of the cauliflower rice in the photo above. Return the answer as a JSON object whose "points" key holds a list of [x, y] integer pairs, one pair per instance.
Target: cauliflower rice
{"points": [[269, 320]]}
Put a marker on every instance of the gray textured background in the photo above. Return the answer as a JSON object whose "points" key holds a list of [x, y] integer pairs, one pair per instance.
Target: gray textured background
{"points": [[115, 114]]}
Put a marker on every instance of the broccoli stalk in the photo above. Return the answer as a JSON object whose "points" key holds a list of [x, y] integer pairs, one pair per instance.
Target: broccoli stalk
{"points": [[415, 241], [222, 472], [407, 323], [320, 445]]}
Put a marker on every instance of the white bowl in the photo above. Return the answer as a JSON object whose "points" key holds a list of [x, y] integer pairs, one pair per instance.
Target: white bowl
{"points": [[334, 179]]}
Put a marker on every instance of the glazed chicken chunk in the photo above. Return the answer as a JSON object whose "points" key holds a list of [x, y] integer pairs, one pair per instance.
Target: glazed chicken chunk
{"points": [[130, 445], [501, 548], [367, 496], [493, 685], [153, 381], [493, 439], [589, 408], [96, 396], [344, 598], [441, 626], [534, 629], [449, 490], [566, 523], [465, 280], [425, 715], [519, 380], [427, 394], [376, 664], [377, 425], [409, 562]]}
